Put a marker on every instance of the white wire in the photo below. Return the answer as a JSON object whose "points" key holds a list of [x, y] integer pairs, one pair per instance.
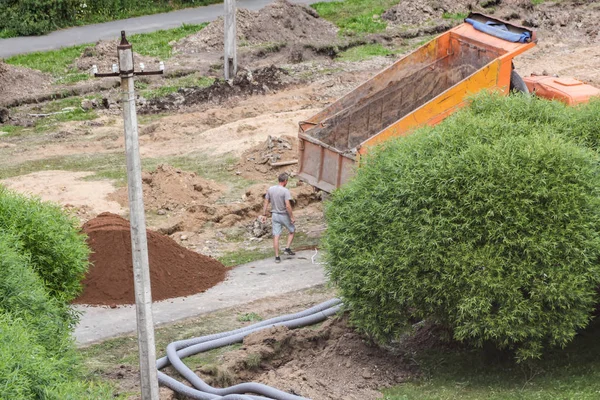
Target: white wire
{"points": [[313, 259]]}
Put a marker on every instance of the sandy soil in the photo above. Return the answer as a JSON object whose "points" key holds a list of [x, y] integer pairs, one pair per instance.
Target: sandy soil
{"points": [[68, 189]]}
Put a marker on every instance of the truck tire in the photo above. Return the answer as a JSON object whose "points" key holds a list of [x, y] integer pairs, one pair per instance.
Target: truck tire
{"points": [[517, 84]]}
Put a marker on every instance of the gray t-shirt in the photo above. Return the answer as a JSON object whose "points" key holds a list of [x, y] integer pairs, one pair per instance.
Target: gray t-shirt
{"points": [[277, 195]]}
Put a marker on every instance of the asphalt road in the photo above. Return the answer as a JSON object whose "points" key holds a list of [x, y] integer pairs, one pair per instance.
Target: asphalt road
{"points": [[112, 30]]}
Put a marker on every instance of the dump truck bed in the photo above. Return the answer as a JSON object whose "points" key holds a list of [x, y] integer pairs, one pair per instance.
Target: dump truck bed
{"points": [[421, 88]]}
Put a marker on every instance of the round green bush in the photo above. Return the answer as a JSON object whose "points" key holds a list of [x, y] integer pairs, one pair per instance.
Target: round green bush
{"points": [[58, 251], [486, 224]]}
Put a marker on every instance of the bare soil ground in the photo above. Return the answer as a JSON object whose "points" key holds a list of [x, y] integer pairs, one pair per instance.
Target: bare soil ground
{"points": [[228, 135]]}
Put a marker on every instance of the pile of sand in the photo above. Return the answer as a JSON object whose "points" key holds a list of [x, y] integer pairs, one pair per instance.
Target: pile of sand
{"points": [[174, 270], [255, 163], [277, 23], [170, 189]]}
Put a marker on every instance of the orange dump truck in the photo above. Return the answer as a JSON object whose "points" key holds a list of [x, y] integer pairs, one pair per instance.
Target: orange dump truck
{"points": [[421, 88]]}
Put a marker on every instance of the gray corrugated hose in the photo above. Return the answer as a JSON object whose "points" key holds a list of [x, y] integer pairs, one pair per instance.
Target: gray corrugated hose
{"points": [[203, 391]]}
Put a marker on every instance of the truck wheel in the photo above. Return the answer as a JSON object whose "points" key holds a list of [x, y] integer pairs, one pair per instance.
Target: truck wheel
{"points": [[517, 84]]}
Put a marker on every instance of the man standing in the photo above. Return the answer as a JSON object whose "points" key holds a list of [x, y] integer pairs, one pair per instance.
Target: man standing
{"points": [[281, 214]]}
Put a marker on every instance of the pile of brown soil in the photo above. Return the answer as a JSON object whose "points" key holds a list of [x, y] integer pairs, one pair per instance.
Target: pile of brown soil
{"points": [[279, 22], [330, 363], [170, 189], [104, 54], [17, 81], [255, 163], [174, 270]]}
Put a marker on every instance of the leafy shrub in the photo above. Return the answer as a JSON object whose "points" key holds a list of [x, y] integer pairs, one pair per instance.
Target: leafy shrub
{"points": [[28, 371], [36, 17], [23, 296], [487, 224], [59, 254], [37, 356]]}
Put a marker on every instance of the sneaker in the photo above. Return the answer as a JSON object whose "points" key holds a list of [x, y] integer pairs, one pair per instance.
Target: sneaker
{"points": [[277, 260], [288, 251]]}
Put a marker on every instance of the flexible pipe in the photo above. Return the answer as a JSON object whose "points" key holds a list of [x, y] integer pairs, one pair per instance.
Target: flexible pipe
{"points": [[203, 391]]}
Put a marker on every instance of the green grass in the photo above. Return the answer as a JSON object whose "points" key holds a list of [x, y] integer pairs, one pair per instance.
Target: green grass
{"points": [[249, 317], [58, 63], [355, 16], [156, 44], [244, 256], [572, 373], [174, 84], [105, 165], [456, 16], [364, 52], [13, 130], [72, 112]]}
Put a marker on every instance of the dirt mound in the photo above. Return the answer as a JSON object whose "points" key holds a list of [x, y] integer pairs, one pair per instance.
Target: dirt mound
{"points": [[329, 363], [174, 270], [17, 81], [246, 83], [279, 22], [257, 162], [104, 54], [565, 19], [416, 12], [170, 189]]}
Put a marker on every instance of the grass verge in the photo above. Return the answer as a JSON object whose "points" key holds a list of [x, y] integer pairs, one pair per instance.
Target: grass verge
{"points": [[156, 44], [113, 166], [174, 84], [355, 16], [364, 52], [58, 63], [572, 373], [244, 256]]}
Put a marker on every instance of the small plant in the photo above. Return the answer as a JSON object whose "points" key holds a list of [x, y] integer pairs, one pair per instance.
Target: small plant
{"points": [[364, 52], [249, 317], [253, 361], [455, 16], [355, 16]]}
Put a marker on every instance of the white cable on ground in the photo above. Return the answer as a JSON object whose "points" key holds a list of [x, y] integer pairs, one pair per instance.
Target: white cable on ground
{"points": [[313, 259]]}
